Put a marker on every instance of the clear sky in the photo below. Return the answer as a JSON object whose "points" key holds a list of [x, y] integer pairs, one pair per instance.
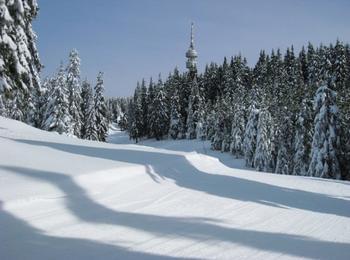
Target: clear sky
{"points": [[129, 40]]}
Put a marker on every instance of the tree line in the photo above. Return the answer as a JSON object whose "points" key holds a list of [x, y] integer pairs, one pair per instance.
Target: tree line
{"points": [[289, 114], [74, 107]]}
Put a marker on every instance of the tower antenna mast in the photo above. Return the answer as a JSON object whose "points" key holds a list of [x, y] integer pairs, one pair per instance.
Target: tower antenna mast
{"points": [[192, 55]]}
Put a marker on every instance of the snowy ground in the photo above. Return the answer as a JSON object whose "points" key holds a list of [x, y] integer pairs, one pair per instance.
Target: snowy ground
{"points": [[64, 198]]}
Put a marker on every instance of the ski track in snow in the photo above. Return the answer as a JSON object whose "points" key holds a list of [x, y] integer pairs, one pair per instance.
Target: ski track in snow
{"points": [[65, 198]]}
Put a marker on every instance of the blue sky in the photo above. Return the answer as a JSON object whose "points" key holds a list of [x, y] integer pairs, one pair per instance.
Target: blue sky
{"points": [[129, 40]]}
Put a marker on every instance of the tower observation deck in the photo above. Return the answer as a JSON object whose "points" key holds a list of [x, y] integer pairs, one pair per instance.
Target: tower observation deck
{"points": [[192, 55]]}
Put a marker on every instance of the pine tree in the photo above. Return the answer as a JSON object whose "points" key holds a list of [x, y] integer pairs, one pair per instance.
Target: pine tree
{"points": [[91, 132], [325, 144], [113, 106], [159, 121], [275, 92], [303, 139], [3, 109], [293, 82], [211, 122], [313, 71], [263, 160], [175, 127], [261, 78], [57, 116], [31, 105], [151, 96], [123, 122], [304, 65], [74, 91], [173, 87], [144, 108], [217, 138], [202, 126], [218, 127], [184, 93], [284, 160], [19, 60], [169, 89], [341, 71], [47, 90], [85, 108], [250, 134], [227, 123], [100, 110], [132, 128], [210, 83], [345, 121], [138, 119], [193, 116], [237, 131], [41, 99], [15, 109], [228, 81]]}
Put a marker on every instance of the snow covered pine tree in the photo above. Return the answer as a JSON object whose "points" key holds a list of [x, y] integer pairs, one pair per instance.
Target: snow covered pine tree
{"points": [[325, 144], [19, 60], [100, 110]]}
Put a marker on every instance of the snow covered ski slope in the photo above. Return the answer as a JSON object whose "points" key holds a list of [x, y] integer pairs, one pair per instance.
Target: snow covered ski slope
{"points": [[64, 198]]}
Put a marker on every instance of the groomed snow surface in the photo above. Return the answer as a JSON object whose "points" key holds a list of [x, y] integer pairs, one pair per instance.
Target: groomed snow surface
{"points": [[64, 198]]}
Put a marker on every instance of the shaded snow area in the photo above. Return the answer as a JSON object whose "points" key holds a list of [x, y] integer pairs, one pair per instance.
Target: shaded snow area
{"points": [[65, 198]]}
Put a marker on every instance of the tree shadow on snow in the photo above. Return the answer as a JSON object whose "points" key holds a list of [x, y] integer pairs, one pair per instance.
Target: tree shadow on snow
{"points": [[186, 175], [34, 244], [198, 229]]}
